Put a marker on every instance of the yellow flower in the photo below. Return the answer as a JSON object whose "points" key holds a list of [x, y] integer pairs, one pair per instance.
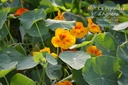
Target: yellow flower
{"points": [[79, 30], [93, 27], [46, 49], [59, 16], [66, 82], [93, 50], [63, 39], [54, 55]]}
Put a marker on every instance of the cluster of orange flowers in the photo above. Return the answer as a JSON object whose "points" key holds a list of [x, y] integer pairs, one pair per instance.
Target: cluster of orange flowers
{"points": [[46, 49], [65, 38]]}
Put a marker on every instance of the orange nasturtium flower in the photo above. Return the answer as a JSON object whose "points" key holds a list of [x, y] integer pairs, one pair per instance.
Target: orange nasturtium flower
{"points": [[20, 11], [59, 16], [93, 50], [93, 27], [66, 82], [63, 39], [46, 49], [79, 30]]}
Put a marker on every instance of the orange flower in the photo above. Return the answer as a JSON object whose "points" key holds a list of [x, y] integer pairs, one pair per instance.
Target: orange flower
{"points": [[46, 49], [79, 30], [63, 39], [20, 11], [66, 82], [54, 55], [59, 16], [93, 50], [93, 27]]}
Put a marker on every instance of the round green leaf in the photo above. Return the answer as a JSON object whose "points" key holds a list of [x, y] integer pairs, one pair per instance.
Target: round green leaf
{"points": [[122, 52], [13, 54], [75, 59], [50, 59], [54, 24], [54, 71], [26, 63], [33, 31], [29, 18], [106, 43], [124, 70], [20, 79], [101, 71], [3, 16], [7, 68]]}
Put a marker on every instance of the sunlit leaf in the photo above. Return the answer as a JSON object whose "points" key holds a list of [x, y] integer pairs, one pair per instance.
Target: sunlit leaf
{"points": [[121, 26], [101, 71], [29, 18], [54, 24], [6, 68], [75, 59], [20, 79], [106, 43]]}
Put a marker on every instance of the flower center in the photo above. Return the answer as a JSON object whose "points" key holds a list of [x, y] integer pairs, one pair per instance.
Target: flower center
{"points": [[62, 36]]}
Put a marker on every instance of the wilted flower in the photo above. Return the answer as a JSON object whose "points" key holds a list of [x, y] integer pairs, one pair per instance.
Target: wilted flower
{"points": [[63, 39], [93, 50], [20, 11], [93, 27], [79, 30], [59, 16], [66, 82]]}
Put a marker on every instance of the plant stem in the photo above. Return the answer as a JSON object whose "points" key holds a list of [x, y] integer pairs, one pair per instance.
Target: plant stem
{"points": [[21, 4], [92, 41], [40, 34], [68, 77], [9, 33], [38, 73], [6, 80], [126, 37]]}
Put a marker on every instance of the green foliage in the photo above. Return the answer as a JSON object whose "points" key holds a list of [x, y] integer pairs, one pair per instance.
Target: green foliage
{"points": [[101, 70], [21, 80], [75, 59], [106, 43], [31, 17]]}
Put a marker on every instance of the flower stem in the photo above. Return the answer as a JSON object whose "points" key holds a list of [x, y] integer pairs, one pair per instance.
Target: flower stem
{"points": [[9, 33], [93, 39], [21, 4], [40, 34], [6, 80], [68, 77], [126, 39]]}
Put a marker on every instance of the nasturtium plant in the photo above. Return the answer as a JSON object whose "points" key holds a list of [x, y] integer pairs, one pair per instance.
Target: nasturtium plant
{"points": [[106, 43], [97, 71], [21, 80], [29, 18], [60, 42], [3, 16], [74, 59]]}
